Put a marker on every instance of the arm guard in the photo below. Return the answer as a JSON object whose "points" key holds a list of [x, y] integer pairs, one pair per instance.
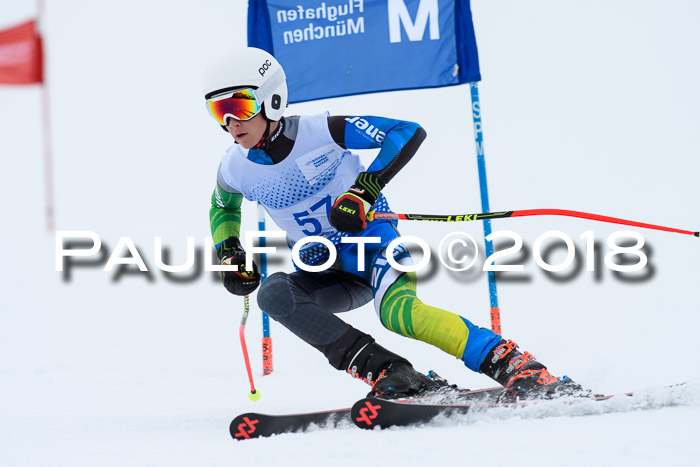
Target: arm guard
{"points": [[225, 215]]}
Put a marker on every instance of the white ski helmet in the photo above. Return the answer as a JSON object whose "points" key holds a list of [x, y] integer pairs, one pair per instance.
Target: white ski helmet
{"points": [[254, 68]]}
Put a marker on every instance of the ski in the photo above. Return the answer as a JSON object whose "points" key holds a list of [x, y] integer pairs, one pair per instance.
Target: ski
{"points": [[256, 425], [372, 412]]}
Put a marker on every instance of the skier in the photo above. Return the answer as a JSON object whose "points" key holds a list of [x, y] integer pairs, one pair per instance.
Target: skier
{"points": [[302, 171]]}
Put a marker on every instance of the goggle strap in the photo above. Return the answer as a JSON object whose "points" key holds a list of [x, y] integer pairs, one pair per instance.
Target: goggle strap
{"points": [[229, 94]]}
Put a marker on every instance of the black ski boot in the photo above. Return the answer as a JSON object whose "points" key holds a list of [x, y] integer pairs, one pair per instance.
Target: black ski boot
{"points": [[399, 379], [524, 377], [391, 376]]}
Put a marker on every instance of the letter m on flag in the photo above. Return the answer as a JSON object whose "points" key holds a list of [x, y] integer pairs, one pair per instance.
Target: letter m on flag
{"points": [[427, 15]]}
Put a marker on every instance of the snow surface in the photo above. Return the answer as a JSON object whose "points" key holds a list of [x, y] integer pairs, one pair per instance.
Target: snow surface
{"points": [[589, 106]]}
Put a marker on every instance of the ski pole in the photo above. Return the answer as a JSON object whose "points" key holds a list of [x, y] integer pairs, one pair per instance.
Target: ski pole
{"points": [[253, 394], [522, 213]]}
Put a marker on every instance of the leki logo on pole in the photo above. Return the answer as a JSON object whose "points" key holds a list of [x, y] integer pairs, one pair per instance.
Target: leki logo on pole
{"points": [[249, 424], [368, 413]]}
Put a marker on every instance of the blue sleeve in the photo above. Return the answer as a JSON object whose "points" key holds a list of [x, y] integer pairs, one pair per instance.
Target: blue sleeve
{"points": [[397, 141]]}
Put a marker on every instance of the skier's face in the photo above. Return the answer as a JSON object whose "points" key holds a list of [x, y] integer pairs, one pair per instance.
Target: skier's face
{"points": [[249, 132]]}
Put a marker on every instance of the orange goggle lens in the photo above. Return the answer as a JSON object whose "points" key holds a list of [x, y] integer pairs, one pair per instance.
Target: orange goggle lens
{"points": [[240, 104]]}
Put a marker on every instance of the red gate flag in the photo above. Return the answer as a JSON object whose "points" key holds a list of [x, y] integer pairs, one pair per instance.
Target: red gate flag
{"points": [[20, 55]]}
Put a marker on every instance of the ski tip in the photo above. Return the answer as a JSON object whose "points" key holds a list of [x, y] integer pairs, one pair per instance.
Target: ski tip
{"points": [[364, 412], [244, 427]]}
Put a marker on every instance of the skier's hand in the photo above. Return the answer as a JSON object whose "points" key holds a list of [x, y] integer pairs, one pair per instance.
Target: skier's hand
{"points": [[349, 212], [239, 282]]}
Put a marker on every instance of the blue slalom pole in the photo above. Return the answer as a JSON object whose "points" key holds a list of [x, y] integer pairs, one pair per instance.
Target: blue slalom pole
{"points": [[266, 339], [481, 163]]}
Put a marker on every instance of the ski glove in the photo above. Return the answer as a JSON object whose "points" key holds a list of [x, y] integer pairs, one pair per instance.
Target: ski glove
{"points": [[349, 212], [239, 282]]}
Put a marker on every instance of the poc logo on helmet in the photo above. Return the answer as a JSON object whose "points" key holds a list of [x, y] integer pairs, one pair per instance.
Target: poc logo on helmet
{"points": [[265, 66]]}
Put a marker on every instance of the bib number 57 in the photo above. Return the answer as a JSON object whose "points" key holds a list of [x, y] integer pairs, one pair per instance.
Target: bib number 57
{"points": [[310, 221]]}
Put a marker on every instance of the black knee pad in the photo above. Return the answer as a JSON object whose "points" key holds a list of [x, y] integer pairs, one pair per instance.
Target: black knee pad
{"points": [[275, 296]]}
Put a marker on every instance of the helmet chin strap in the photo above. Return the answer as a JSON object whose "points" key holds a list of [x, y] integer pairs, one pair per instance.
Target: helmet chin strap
{"points": [[267, 131], [263, 139], [262, 144]]}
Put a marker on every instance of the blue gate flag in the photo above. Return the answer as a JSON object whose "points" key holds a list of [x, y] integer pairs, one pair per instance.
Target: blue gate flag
{"points": [[334, 48]]}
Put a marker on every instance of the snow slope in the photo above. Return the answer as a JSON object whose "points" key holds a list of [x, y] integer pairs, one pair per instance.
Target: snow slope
{"points": [[589, 106]]}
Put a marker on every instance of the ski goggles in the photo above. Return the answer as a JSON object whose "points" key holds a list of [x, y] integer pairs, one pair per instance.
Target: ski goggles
{"points": [[241, 104]]}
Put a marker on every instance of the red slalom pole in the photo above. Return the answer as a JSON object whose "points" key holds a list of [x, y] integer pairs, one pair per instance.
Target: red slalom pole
{"points": [[522, 213], [253, 394]]}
